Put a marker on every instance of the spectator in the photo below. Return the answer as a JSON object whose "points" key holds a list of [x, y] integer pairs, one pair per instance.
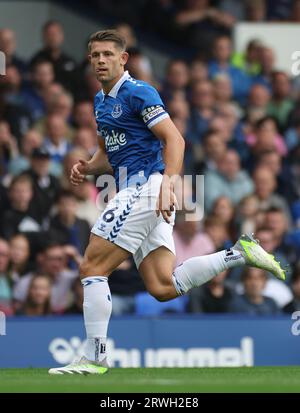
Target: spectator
{"points": [[189, 239], [219, 125], [177, 79], [248, 61], [267, 64], [8, 147], [256, 10], [294, 165], [200, 23], [5, 282], [294, 304], [128, 33], [8, 47], [281, 104], [235, 137], [178, 108], [77, 306], [198, 71], [217, 232], [248, 214], [228, 180], [86, 138], [258, 99], [265, 186], [277, 221], [279, 10], [266, 137], [253, 302], [31, 141], [223, 210], [19, 257], [65, 227], [56, 143], [292, 135], [222, 88], [274, 288], [52, 261], [295, 12], [37, 302], [83, 115], [88, 208], [34, 94], [272, 160], [214, 148], [22, 216], [11, 85], [240, 81], [70, 159], [64, 65], [234, 7], [124, 284], [4, 202], [87, 84], [60, 104], [212, 297], [139, 66], [45, 185], [13, 108], [202, 112]]}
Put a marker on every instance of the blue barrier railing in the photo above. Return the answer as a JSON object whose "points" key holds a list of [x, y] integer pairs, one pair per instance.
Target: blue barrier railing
{"points": [[177, 340]]}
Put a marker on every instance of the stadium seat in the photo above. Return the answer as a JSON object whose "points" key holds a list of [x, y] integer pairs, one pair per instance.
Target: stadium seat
{"points": [[145, 304]]}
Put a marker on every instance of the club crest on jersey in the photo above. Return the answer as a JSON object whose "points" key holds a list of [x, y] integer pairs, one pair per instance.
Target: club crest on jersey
{"points": [[117, 110]]}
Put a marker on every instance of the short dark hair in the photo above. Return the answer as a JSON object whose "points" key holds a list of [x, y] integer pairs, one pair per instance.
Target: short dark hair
{"points": [[65, 193], [39, 61], [49, 244], [206, 135], [260, 123], [247, 273], [21, 179], [50, 23], [274, 209], [108, 36]]}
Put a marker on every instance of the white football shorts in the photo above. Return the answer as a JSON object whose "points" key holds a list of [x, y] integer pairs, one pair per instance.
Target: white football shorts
{"points": [[130, 220]]}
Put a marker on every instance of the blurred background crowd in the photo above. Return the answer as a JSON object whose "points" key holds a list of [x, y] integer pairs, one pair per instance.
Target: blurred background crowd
{"points": [[239, 116]]}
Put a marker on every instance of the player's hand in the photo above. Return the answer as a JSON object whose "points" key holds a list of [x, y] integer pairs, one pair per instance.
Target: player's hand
{"points": [[79, 172], [167, 201]]}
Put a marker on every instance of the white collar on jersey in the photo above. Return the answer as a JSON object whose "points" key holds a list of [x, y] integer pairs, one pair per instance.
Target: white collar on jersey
{"points": [[114, 91]]}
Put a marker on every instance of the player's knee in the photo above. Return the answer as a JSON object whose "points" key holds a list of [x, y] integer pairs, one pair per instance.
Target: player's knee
{"points": [[84, 269], [90, 268], [160, 294]]}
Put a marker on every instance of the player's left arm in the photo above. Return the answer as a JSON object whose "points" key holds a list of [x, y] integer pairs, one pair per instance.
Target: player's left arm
{"points": [[173, 154]]}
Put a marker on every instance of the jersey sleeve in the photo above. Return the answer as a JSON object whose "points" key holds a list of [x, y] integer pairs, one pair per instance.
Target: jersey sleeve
{"points": [[147, 103]]}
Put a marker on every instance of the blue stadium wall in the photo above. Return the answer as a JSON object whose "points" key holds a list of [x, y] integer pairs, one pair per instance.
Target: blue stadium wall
{"points": [[177, 341]]}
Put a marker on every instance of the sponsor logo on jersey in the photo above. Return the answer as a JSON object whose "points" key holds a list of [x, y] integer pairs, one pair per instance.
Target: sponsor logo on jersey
{"points": [[113, 139], [151, 112], [117, 111]]}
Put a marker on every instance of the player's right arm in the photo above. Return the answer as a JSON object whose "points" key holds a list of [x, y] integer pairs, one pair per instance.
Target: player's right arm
{"points": [[97, 165]]}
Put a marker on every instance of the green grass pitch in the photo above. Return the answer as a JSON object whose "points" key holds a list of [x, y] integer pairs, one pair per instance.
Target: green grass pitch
{"points": [[177, 380]]}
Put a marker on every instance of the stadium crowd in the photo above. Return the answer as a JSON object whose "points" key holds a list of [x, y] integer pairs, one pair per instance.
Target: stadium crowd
{"points": [[239, 116]]}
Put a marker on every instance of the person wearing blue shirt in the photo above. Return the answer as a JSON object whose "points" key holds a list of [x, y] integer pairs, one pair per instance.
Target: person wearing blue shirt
{"points": [[241, 81], [145, 151], [253, 302]]}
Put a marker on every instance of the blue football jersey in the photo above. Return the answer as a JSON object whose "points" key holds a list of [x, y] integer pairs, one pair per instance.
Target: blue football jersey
{"points": [[124, 119]]}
